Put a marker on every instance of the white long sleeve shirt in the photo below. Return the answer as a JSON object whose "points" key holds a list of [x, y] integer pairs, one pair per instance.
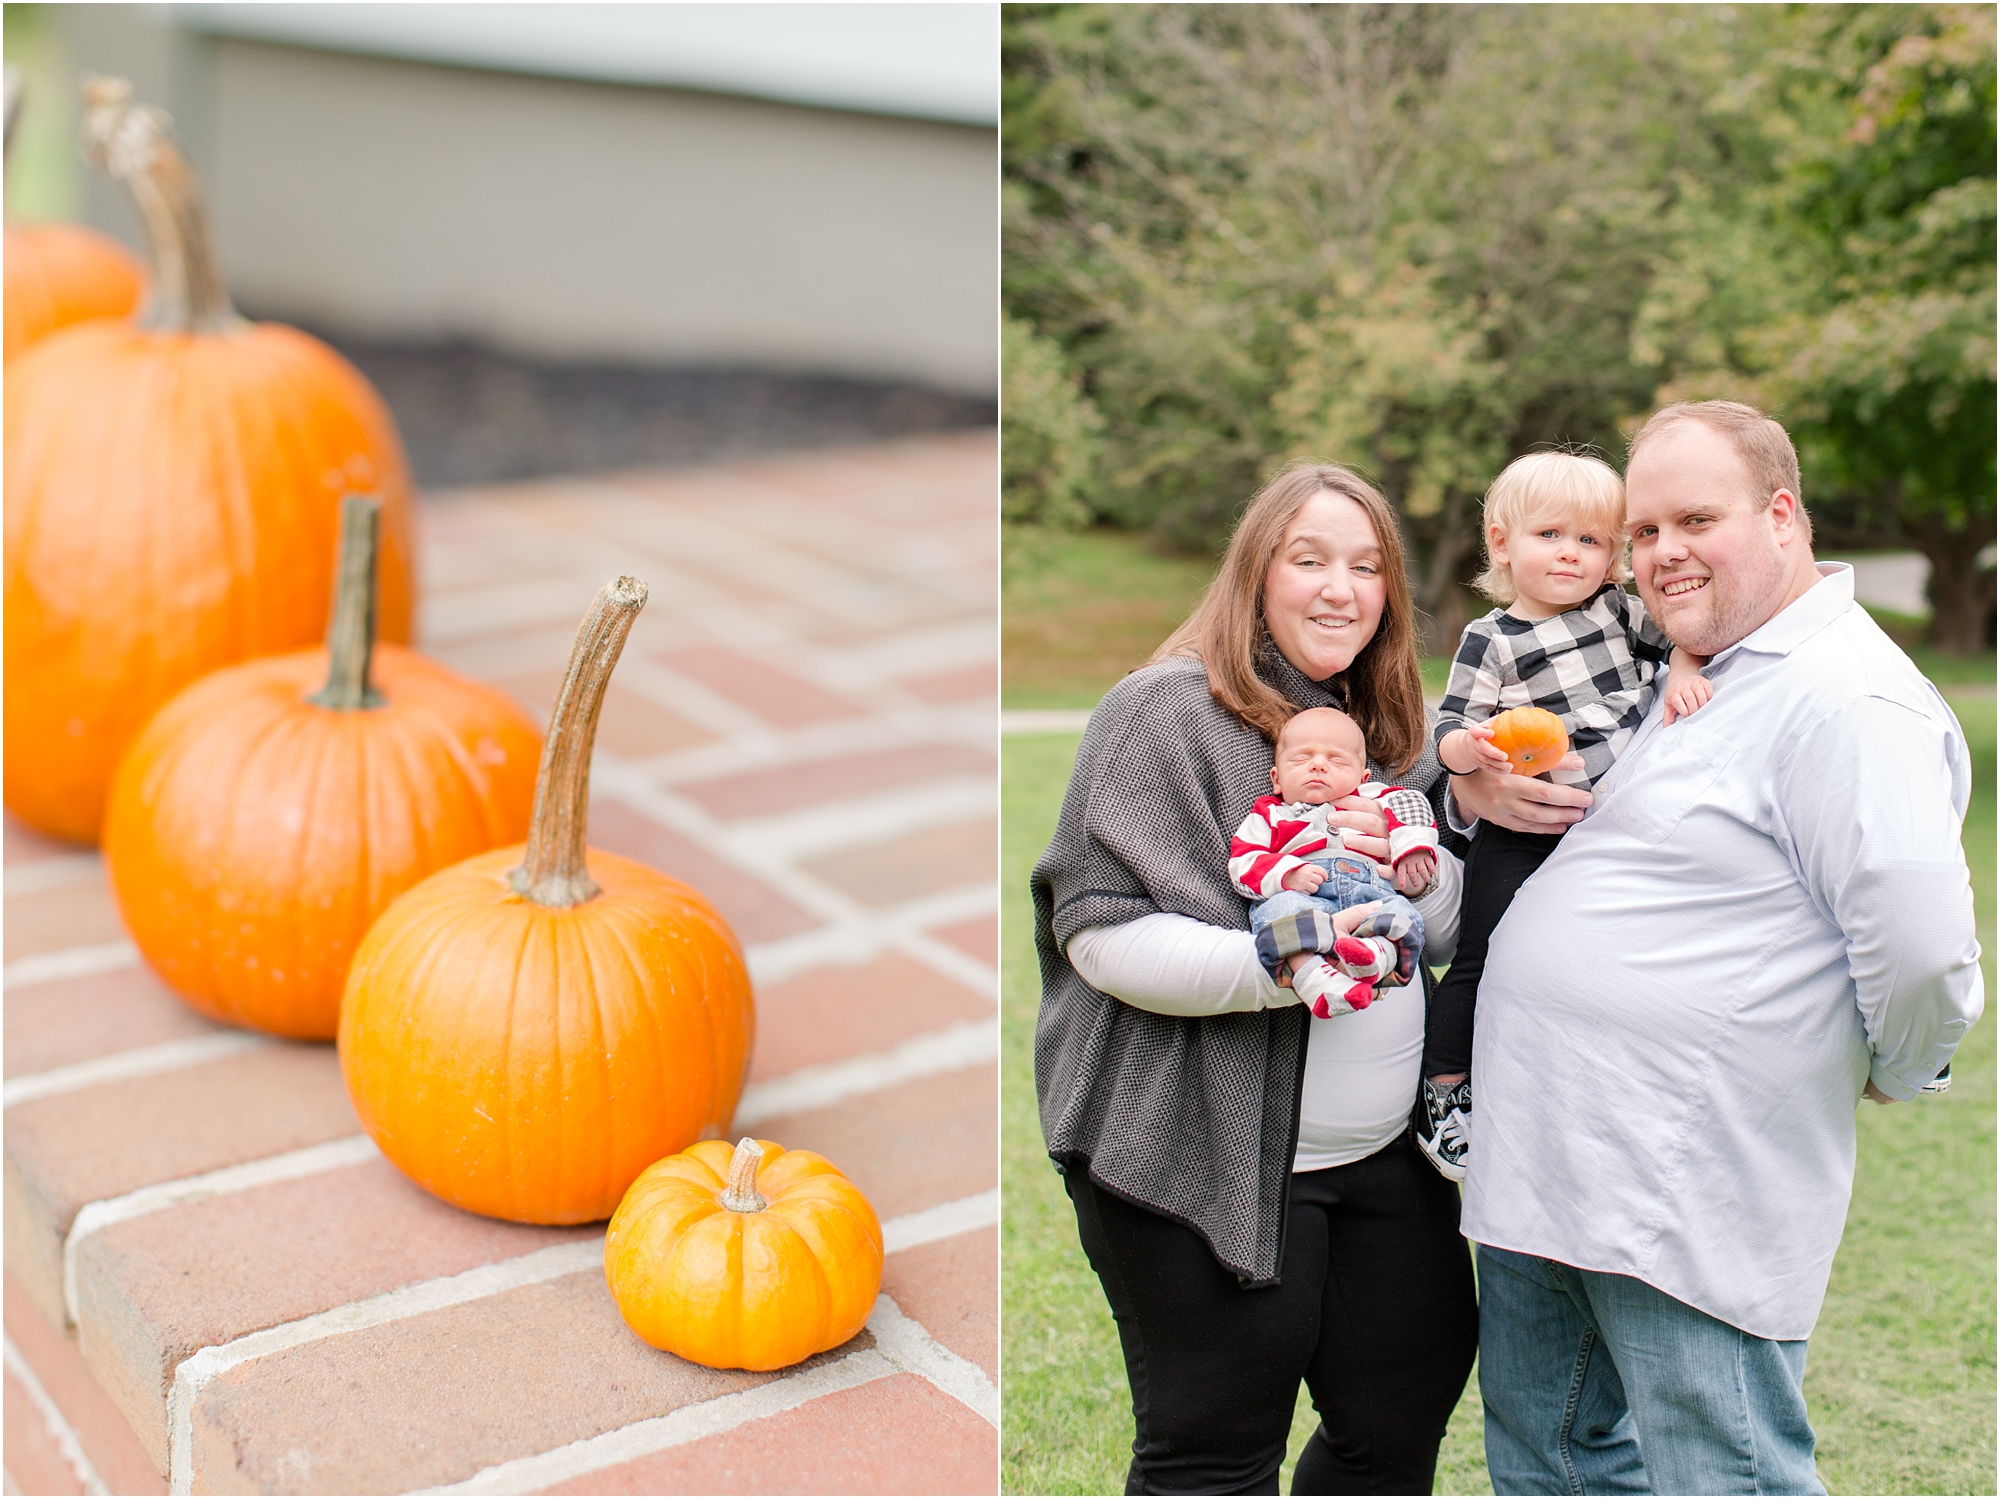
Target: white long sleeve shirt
{"points": [[1766, 906], [1361, 1069]]}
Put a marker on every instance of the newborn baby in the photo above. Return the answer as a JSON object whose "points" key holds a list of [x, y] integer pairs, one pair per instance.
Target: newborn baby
{"points": [[1299, 870]]}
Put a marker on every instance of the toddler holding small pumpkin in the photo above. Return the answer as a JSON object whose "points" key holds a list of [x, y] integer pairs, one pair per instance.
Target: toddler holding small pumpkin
{"points": [[1569, 639]]}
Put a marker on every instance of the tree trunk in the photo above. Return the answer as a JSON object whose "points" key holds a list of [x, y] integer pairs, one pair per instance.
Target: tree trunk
{"points": [[1961, 590], [1441, 609]]}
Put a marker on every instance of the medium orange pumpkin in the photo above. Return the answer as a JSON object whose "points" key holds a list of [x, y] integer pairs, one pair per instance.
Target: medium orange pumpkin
{"points": [[172, 495], [257, 827], [1532, 739], [525, 1032], [748, 1259]]}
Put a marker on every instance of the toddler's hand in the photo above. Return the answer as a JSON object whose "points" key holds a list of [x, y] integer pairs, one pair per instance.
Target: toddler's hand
{"points": [[1416, 872], [1471, 748], [1305, 879], [1685, 694]]}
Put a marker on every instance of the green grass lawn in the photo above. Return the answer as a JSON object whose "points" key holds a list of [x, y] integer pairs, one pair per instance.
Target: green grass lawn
{"points": [[1900, 1384], [1095, 608]]}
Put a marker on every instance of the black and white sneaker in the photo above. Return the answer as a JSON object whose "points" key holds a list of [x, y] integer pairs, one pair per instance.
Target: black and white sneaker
{"points": [[1442, 1124], [1939, 1084]]}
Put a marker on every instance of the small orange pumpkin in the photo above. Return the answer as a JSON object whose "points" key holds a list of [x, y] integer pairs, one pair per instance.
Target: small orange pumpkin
{"points": [[525, 1032], [1533, 739], [751, 1259], [58, 274], [257, 828], [172, 495]]}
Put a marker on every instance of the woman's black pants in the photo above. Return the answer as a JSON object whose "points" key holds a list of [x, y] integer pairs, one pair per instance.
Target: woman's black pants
{"points": [[1374, 1311]]}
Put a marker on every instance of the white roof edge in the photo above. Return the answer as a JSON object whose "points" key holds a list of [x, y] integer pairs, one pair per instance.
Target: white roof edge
{"points": [[930, 61]]}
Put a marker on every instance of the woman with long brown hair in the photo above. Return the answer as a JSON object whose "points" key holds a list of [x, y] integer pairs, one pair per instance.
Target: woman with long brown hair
{"points": [[1243, 1177]]}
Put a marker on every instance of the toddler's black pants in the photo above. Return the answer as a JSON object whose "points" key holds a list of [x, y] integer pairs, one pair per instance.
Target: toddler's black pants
{"points": [[1495, 867]]}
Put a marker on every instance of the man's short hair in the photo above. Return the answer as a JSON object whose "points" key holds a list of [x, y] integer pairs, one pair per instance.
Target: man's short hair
{"points": [[1763, 445]]}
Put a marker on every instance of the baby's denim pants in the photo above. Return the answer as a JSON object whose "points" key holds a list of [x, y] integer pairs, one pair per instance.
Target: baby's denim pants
{"points": [[1289, 923]]}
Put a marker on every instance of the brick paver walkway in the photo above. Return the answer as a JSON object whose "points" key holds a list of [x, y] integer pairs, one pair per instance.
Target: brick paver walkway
{"points": [[215, 1284]]}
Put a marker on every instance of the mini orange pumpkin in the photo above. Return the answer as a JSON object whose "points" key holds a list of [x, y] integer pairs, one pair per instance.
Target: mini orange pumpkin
{"points": [[257, 828], [751, 1259], [523, 1033], [1533, 739], [172, 495]]}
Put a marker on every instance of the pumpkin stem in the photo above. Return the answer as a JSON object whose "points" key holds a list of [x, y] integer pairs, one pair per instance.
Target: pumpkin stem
{"points": [[741, 1194], [131, 141], [350, 630], [553, 872]]}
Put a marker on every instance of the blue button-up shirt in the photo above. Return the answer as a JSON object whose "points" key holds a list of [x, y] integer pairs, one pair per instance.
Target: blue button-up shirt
{"points": [[1767, 906]]}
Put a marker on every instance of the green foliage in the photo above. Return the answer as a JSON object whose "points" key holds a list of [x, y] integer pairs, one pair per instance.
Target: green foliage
{"points": [[1048, 441], [1422, 240], [1850, 286]]}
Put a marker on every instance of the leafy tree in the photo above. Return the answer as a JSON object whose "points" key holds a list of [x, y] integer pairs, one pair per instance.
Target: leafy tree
{"points": [[1413, 239], [1048, 441], [1422, 240], [1852, 293]]}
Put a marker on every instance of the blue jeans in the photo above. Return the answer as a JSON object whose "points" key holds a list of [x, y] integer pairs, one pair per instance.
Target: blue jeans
{"points": [[1289, 923], [1599, 1384]]}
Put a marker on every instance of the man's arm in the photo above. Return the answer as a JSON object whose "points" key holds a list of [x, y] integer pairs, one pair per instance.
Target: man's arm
{"points": [[1868, 802]]}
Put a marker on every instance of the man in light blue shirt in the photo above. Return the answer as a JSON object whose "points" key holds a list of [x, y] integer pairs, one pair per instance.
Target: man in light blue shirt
{"points": [[1764, 915]]}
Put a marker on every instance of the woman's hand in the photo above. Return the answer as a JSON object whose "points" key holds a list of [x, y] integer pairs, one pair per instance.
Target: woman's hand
{"points": [[1522, 804], [1360, 815], [1344, 925]]}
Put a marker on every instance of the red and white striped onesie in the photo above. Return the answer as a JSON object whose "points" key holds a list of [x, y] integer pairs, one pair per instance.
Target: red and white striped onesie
{"points": [[1279, 836]]}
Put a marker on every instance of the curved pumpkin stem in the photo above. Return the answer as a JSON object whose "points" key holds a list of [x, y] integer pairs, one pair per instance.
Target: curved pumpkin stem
{"points": [[131, 142], [553, 872], [350, 631], [740, 1194]]}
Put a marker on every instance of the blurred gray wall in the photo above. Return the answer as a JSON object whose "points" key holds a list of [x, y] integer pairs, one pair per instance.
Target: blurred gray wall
{"points": [[563, 217]]}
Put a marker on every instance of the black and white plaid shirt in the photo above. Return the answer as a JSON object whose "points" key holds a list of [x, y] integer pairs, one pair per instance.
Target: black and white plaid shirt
{"points": [[1592, 666]]}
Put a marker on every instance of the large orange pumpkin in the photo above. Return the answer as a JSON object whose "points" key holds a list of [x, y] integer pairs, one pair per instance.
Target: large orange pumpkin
{"points": [[257, 827], [1532, 739], [525, 1032], [751, 1259], [172, 496]]}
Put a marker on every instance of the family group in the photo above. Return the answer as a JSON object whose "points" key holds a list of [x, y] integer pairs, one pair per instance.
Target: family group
{"points": [[1672, 967]]}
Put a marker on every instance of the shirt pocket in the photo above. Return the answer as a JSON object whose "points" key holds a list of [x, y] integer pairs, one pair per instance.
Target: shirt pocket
{"points": [[1674, 772]]}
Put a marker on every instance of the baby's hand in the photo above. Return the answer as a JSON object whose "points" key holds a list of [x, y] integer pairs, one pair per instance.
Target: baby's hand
{"points": [[1416, 872], [1471, 748], [1687, 689], [1684, 697], [1305, 879]]}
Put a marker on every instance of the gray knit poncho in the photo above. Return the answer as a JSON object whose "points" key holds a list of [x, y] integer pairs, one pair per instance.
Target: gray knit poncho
{"points": [[1195, 1118]]}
